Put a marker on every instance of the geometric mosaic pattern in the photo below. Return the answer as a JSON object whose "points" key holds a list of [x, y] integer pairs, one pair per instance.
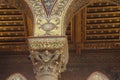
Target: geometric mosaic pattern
{"points": [[48, 5], [47, 43]]}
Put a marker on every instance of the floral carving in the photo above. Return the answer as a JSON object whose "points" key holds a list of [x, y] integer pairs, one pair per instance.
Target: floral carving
{"points": [[49, 56], [47, 62]]}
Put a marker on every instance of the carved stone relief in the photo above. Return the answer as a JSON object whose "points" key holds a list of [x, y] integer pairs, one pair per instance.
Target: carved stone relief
{"points": [[49, 56], [48, 62]]}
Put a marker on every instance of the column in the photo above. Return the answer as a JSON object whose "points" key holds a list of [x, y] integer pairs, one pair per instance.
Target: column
{"points": [[49, 56]]}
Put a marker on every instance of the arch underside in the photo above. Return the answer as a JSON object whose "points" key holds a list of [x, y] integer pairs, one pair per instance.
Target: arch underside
{"points": [[77, 5], [16, 23], [87, 23]]}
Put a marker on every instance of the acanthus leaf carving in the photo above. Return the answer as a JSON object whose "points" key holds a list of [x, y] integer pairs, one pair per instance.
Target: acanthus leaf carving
{"points": [[49, 56]]}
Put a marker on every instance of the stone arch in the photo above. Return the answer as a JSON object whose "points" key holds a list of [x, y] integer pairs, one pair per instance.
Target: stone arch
{"points": [[76, 5], [24, 6], [38, 11], [67, 8], [14, 24], [16, 76], [97, 76]]}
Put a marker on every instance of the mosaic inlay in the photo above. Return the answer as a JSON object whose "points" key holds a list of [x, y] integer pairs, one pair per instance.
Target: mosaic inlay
{"points": [[48, 5]]}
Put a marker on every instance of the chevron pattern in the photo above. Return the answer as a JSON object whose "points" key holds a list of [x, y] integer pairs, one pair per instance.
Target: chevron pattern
{"points": [[48, 5]]}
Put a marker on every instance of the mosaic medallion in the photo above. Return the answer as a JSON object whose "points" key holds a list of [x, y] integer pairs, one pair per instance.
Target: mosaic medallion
{"points": [[48, 5], [47, 27]]}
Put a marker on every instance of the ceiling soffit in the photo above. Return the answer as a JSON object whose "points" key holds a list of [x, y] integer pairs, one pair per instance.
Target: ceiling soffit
{"points": [[21, 4], [95, 26], [77, 5]]}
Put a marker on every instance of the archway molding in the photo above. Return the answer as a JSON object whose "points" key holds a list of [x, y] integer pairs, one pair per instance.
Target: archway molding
{"points": [[24, 7], [16, 76], [97, 76]]}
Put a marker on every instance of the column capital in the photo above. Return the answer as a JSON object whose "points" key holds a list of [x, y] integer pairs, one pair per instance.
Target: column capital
{"points": [[49, 56]]}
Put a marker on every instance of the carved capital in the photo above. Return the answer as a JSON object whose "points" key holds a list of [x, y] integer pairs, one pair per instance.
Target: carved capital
{"points": [[49, 56]]}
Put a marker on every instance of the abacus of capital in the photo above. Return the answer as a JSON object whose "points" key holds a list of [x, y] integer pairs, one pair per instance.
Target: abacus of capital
{"points": [[49, 56]]}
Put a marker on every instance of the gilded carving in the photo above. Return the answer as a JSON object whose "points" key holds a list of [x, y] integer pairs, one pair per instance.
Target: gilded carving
{"points": [[47, 62], [49, 56], [46, 43]]}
